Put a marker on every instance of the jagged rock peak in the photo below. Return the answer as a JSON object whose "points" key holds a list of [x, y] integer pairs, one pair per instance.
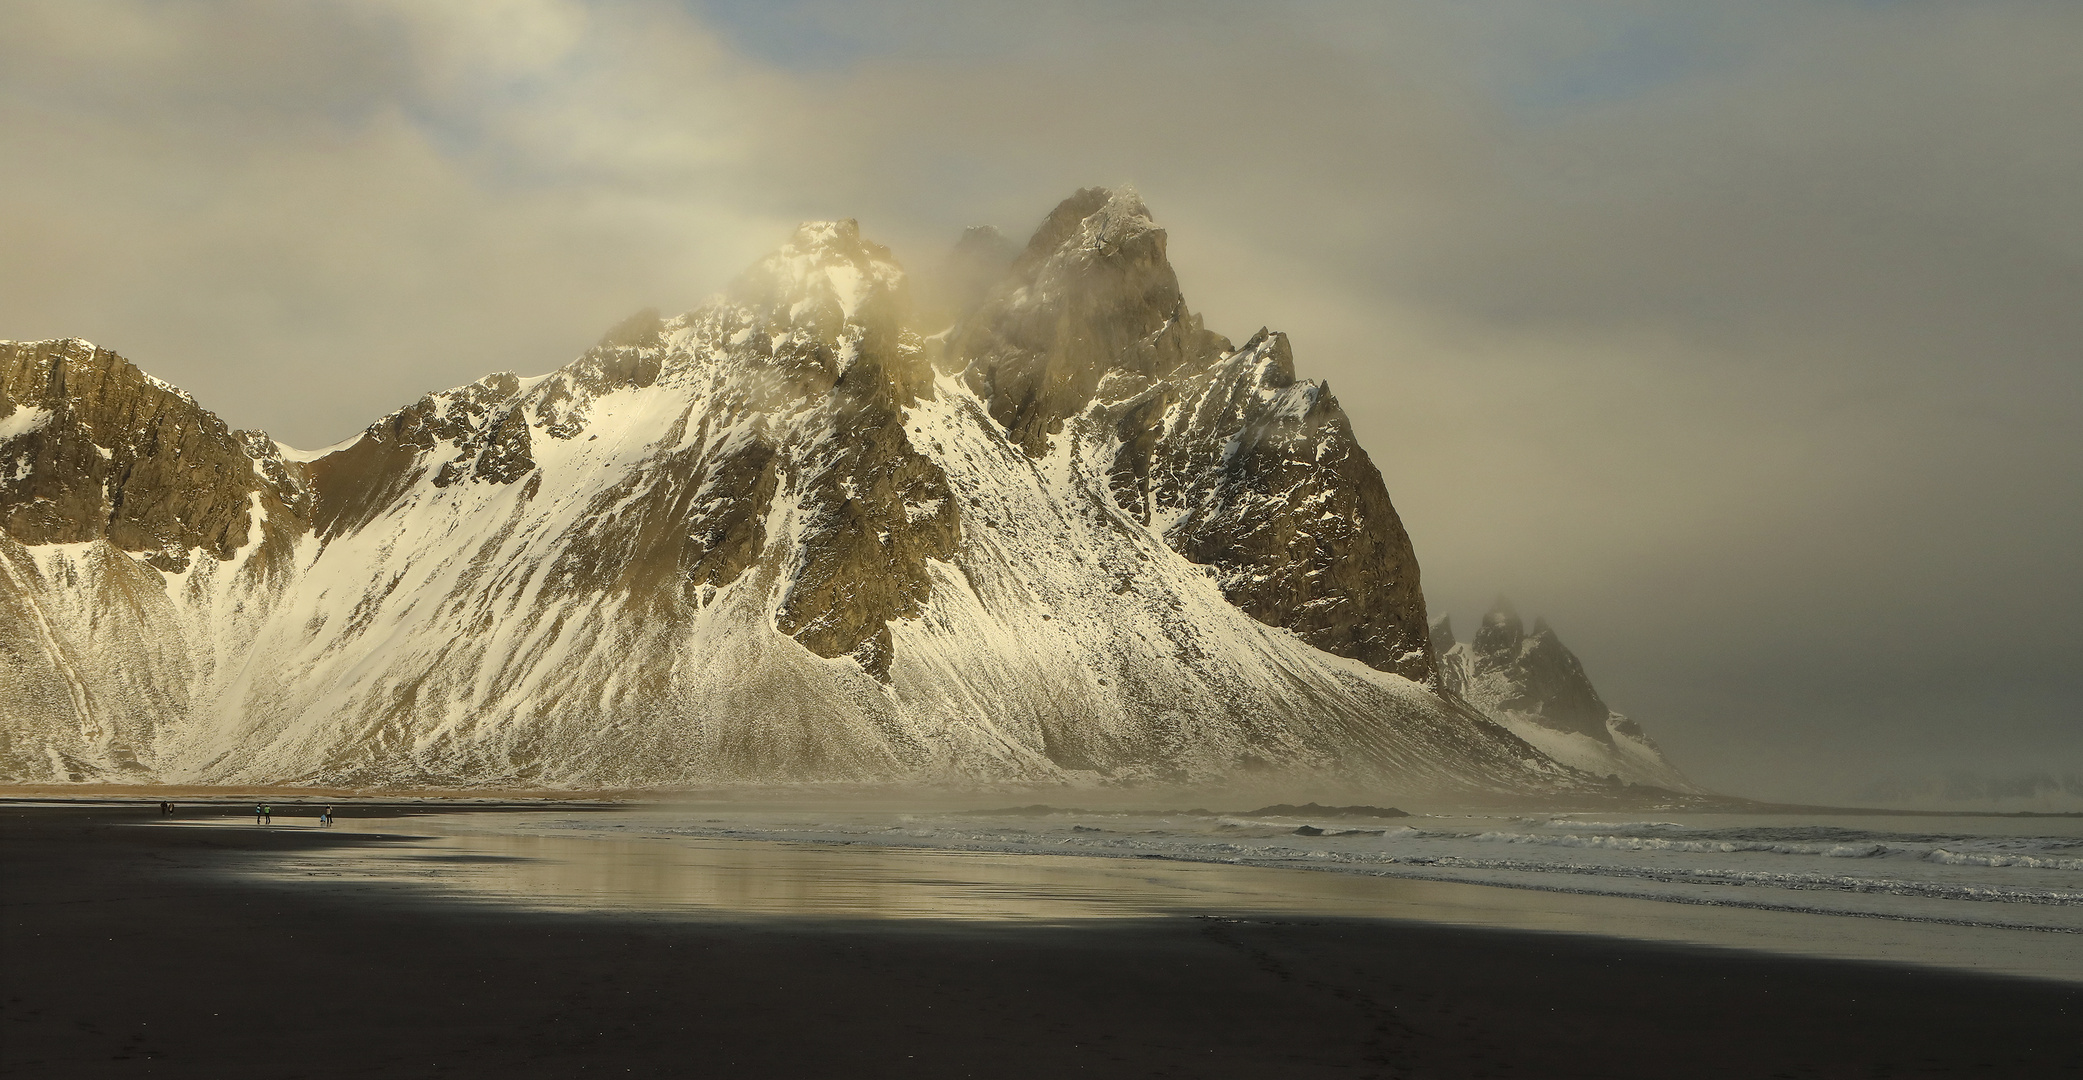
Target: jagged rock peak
{"points": [[826, 269], [1096, 219], [1534, 674], [1093, 295]]}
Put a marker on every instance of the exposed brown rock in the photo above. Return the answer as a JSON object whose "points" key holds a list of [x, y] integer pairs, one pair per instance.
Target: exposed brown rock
{"points": [[813, 405], [1278, 495], [874, 511], [1262, 474], [479, 431], [726, 520], [125, 457]]}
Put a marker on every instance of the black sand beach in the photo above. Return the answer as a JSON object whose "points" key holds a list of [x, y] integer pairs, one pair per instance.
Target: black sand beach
{"points": [[123, 958]]}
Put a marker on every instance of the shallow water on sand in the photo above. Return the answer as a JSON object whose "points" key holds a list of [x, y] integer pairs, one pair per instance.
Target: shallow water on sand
{"points": [[725, 864]]}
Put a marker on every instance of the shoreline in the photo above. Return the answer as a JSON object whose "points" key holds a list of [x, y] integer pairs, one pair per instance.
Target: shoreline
{"points": [[1977, 938], [1101, 800], [201, 973], [236, 809]]}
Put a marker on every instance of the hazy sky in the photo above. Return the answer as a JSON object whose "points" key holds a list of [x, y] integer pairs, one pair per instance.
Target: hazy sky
{"points": [[1744, 341]]}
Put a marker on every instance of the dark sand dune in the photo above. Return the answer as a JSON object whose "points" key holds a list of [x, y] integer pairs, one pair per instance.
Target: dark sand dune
{"points": [[125, 957]]}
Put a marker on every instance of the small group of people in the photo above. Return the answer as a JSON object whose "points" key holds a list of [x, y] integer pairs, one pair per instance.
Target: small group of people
{"points": [[264, 814], [166, 809]]}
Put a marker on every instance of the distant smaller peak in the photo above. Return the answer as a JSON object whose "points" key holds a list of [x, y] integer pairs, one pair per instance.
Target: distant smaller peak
{"points": [[1501, 610], [1443, 634]]}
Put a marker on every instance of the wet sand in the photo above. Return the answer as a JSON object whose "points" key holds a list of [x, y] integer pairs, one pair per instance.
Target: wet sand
{"points": [[127, 952]]}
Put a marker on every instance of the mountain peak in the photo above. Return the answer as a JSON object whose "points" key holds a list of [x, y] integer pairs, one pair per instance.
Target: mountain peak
{"points": [[826, 273], [1537, 689], [1122, 217], [841, 231], [1092, 295], [1095, 223]]}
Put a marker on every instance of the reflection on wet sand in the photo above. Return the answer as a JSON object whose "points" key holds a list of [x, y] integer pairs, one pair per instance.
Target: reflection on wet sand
{"points": [[480, 857]]}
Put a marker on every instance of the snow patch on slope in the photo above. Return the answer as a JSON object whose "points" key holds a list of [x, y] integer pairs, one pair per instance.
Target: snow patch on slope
{"points": [[23, 421]]}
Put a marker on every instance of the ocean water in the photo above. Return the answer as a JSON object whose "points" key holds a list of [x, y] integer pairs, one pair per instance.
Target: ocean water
{"points": [[1993, 894], [2022, 872]]}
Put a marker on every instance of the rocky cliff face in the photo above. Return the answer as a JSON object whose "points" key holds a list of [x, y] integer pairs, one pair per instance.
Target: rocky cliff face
{"points": [[1532, 684], [1050, 529], [96, 449], [1239, 465]]}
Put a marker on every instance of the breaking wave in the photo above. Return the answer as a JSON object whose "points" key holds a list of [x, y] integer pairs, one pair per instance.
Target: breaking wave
{"points": [[2036, 862]]}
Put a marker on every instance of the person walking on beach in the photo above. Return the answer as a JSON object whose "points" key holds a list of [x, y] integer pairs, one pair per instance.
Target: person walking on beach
{"points": [[258, 810], [326, 818], [268, 812]]}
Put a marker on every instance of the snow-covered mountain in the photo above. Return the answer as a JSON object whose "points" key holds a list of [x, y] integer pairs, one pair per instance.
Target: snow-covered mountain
{"points": [[1534, 686], [1046, 528]]}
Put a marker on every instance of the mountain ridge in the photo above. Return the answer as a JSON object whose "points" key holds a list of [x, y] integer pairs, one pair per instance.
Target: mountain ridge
{"points": [[1075, 537]]}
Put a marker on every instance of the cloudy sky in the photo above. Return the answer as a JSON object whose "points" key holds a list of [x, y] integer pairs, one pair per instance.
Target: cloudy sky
{"points": [[1743, 341]]}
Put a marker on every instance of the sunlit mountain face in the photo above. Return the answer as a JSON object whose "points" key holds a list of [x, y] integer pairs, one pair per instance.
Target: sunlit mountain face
{"points": [[1027, 521]]}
